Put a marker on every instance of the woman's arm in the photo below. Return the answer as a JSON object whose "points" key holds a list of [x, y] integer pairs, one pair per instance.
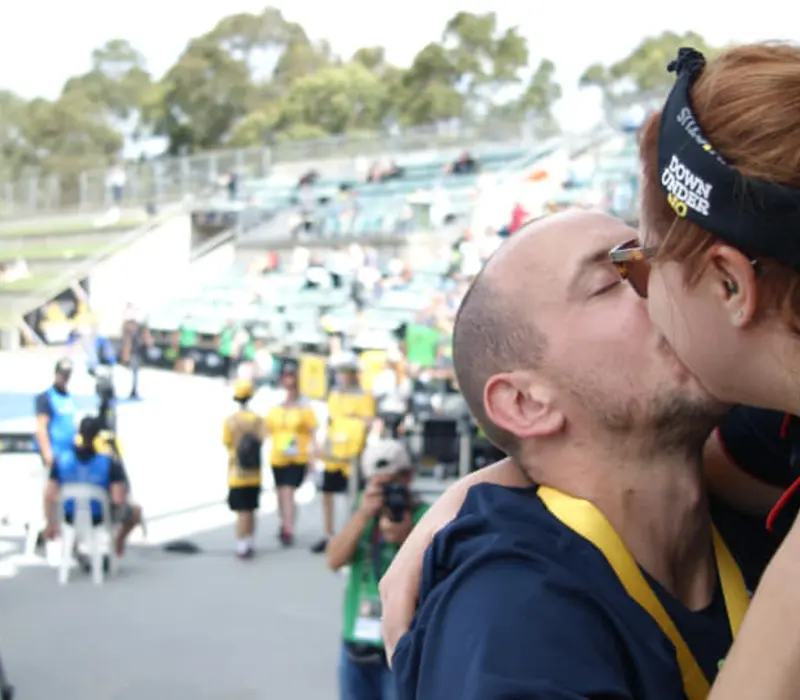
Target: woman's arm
{"points": [[763, 660]]}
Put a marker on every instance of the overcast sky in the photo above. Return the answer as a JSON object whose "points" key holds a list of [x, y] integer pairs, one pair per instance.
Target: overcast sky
{"points": [[42, 42]]}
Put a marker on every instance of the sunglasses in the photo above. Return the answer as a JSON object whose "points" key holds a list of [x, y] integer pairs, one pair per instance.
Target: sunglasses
{"points": [[632, 262]]}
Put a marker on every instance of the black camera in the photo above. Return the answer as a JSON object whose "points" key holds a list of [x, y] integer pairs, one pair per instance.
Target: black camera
{"points": [[396, 500], [104, 383]]}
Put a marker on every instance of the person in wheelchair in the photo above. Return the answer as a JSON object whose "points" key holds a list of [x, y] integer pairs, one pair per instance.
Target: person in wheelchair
{"points": [[94, 459], [83, 464]]}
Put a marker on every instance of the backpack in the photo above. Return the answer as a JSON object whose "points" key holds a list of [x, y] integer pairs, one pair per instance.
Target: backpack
{"points": [[248, 451]]}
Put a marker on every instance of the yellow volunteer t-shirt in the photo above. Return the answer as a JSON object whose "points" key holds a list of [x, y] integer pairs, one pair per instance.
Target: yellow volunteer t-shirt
{"points": [[291, 429], [349, 413], [350, 404], [241, 422]]}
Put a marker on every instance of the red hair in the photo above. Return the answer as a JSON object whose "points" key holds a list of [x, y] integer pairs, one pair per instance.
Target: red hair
{"points": [[747, 101]]}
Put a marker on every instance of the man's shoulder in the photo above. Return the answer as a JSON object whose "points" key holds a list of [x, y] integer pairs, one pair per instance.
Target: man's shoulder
{"points": [[520, 618], [513, 593], [506, 540]]}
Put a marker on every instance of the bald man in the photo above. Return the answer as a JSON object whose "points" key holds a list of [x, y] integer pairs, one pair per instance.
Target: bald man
{"points": [[558, 362]]}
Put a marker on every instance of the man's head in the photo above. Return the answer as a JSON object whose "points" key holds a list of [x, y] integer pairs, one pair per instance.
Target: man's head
{"points": [[386, 461], [346, 366], [63, 372], [288, 376], [88, 430], [243, 391], [548, 344]]}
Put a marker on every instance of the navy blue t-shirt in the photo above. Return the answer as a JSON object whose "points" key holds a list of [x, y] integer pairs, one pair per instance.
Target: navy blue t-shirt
{"points": [[761, 443], [515, 605]]}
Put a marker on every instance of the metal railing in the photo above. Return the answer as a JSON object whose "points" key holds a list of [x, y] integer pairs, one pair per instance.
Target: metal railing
{"points": [[169, 179]]}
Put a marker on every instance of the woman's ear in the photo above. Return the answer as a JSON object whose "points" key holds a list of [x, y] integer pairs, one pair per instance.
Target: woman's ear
{"points": [[517, 403], [733, 280]]}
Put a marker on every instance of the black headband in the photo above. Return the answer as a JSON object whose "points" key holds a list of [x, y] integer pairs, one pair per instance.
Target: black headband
{"points": [[755, 216]]}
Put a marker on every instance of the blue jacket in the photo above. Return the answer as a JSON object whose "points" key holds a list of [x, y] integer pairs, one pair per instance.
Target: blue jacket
{"points": [[61, 428]]}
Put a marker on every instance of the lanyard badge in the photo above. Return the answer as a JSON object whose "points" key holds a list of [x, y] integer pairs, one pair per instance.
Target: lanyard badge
{"points": [[367, 626]]}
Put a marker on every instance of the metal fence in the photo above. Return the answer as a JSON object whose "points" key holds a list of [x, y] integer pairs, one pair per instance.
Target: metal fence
{"points": [[163, 180]]}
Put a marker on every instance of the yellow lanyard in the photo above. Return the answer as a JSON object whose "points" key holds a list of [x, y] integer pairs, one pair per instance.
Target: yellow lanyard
{"points": [[587, 521]]}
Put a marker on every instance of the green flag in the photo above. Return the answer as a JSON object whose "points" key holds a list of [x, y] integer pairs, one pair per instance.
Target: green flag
{"points": [[422, 342]]}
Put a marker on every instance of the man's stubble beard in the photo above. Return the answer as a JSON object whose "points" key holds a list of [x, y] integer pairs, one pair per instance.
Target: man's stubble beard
{"points": [[669, 423], [680, 424]]}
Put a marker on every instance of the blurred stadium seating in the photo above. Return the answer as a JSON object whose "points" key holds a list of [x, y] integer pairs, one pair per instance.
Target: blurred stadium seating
{"points": [[268, 212]]}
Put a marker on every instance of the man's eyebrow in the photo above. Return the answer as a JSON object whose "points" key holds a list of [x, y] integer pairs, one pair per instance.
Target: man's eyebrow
{"points": [[586, 261]]}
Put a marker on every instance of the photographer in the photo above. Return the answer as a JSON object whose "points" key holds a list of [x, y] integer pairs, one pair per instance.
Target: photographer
{"points": [[385, 515]]}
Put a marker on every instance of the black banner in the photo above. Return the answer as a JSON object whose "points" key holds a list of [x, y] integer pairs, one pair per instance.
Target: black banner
{"points": [[206, 362], [18, 444]]}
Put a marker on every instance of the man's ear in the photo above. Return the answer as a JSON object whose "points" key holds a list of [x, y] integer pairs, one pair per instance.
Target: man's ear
{"points": [[518, 404]]}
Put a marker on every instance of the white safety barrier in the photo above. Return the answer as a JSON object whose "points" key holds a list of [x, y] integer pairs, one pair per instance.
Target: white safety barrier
{"points": [[84, 532], [22, 482]]}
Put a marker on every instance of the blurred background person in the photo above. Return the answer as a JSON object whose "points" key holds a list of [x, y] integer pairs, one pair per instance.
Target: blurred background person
{"points": [[350, 414], [243, 435], [384, 516], [82, 463], [392, 391], [136, 340], [292, 428], [55, 415]]}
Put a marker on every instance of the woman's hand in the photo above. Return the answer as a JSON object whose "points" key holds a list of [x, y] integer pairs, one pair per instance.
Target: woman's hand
{"points": [[400, 585]]}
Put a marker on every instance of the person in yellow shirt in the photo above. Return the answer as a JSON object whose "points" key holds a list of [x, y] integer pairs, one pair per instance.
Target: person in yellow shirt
{"points": [[292, 427], [243, 435], [350, 414]]}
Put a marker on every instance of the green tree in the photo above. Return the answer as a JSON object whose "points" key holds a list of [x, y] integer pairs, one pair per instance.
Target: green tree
{"points": [[258, 77], [16, 152], [69, 136], [373, 58], [541, 92], [299, 59], [485, 59], [641, 76], [117, 81], [203, 95], [336, 99], [428, 89], [249, 37], [536, 102], [258, 127]]}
